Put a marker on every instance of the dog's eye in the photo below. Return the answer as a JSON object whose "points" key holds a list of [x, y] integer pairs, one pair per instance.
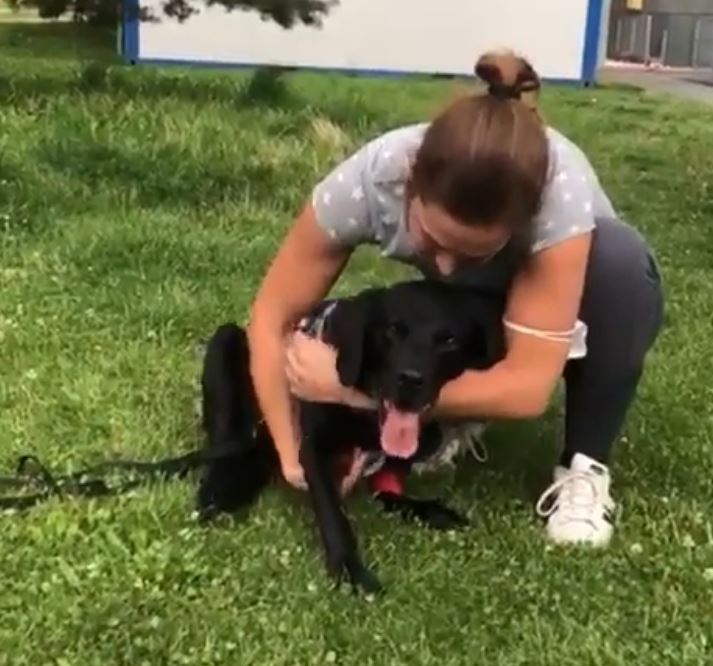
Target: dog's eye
{"points": [[395, 330], [445, 339]]}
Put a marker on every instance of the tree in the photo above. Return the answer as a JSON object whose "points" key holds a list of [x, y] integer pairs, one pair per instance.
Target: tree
{"points": [[286, 13]]}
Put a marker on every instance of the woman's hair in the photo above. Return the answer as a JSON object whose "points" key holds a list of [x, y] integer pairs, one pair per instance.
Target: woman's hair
{"points": [[484, 159]]}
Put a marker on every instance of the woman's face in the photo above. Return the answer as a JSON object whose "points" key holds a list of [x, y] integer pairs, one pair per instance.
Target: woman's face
{"points": [[447, 242]]}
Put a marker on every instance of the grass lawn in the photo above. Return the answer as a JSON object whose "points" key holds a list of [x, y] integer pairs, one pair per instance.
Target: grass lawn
{"points": [[138, 209]]}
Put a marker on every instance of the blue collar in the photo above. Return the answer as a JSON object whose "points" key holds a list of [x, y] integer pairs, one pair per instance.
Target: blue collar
{"points": [[314, 324]]}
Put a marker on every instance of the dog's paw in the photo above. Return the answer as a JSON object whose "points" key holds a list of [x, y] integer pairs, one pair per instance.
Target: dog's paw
{"points": [[363, 579], [207, 514], [432, 513], [213, 501], [351, 569], [438, 516]]}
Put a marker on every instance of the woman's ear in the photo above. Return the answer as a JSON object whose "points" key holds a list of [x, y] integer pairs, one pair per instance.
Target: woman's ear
{"points": [[346, 331]]}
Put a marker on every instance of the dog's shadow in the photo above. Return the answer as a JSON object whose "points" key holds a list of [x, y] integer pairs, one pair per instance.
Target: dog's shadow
{"points": [[518, 467]]}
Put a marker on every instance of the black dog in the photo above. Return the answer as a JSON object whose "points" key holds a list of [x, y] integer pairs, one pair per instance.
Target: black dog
{"points": [[399, 345]]}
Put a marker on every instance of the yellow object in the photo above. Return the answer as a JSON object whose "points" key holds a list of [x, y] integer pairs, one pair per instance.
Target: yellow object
{"points": [[635, 4]]}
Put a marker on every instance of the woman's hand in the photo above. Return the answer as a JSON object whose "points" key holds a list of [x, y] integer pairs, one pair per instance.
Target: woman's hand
{"points": [[311, 371], [293, 474]]}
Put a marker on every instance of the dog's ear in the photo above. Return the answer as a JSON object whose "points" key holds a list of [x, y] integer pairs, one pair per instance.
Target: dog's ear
{"points": [[486, 338], [346, 331]]}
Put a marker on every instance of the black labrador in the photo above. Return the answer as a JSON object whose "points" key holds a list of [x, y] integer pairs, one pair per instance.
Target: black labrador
{"points": [[398, 344]]}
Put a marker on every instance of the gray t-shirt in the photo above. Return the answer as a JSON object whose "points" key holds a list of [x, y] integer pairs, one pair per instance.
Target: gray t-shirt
{"points": [[361, 201]]}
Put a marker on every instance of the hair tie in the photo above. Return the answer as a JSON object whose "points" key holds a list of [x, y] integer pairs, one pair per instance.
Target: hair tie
{"points": [[502, 91]]}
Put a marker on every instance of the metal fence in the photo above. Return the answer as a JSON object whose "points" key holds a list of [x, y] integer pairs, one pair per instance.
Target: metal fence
{"points": [[703, 43], [675, 40], [631, 38]]}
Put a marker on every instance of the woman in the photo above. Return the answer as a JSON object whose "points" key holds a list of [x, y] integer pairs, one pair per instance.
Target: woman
{"points": [[485, 194]]}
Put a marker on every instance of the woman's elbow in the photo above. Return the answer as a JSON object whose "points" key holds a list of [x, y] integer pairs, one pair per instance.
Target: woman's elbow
{"points": [[535, 401], [261, 324], [265, 324], [532, 407], [254, 324]]}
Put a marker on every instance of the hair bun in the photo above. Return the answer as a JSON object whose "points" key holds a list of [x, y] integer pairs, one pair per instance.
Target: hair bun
{"points": [[503, 91], [507, 75]]}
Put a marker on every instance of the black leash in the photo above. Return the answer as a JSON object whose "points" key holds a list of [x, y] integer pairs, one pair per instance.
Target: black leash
{"points": [[41, 484]]}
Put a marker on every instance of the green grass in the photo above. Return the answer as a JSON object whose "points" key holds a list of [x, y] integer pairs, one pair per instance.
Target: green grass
{"points": [[138, 209]]}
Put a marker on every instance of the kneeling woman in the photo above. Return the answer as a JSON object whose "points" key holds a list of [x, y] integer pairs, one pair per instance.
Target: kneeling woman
{"points": [[485, 194]]}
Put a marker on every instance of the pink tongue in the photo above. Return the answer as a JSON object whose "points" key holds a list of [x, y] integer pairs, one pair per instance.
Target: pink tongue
{"points": [[399, 433]]}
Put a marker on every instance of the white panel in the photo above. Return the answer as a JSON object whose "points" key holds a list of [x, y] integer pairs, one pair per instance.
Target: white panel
{"points": [[391, 35]]}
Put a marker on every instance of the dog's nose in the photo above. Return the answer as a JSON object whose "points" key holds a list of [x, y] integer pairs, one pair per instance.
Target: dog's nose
{"points": [[410, 378]]}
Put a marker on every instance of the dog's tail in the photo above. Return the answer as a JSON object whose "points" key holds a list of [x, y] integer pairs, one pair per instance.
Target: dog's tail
{"points": [[232, 421]]}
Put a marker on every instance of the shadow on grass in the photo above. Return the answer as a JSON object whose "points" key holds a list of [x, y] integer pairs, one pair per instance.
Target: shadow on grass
{"points": [[521, 457], [57, 40], [247, 90], [83, 60]]}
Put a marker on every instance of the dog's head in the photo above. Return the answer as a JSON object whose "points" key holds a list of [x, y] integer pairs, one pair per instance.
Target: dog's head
{"points": [[401, 344]]}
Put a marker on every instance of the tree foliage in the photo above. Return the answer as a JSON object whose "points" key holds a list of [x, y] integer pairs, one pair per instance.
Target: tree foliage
{"points": [[285, 13]]}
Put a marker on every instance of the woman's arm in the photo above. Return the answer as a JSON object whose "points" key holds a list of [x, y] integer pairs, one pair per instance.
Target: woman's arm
{"points": [[301, 274], [546, 296]]}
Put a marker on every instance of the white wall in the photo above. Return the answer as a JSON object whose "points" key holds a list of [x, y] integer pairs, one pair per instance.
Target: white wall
{"points": [[442, 36]]}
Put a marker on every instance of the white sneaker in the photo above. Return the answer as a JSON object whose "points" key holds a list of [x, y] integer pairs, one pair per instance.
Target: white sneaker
{"points": [[577, 506]]}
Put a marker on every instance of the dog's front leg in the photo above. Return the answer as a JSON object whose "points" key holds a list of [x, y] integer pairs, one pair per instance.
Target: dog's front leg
{"points": [[338, 539]]}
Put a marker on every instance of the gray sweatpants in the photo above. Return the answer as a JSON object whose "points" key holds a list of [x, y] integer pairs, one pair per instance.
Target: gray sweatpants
{"points": [[622, 306]]}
